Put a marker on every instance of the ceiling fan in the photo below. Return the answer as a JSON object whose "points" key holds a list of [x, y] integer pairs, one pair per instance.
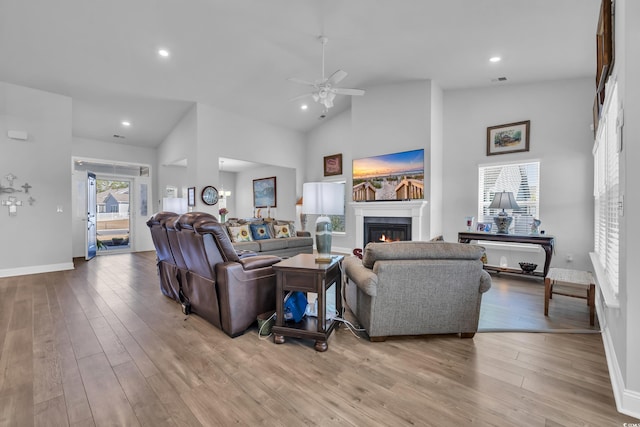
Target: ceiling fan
{"points": [[324, 89]]}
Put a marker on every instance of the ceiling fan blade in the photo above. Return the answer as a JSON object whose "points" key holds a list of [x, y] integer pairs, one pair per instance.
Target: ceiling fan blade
{"points": [[337, 77], [302, 82], [345, 91], [304, 95]]}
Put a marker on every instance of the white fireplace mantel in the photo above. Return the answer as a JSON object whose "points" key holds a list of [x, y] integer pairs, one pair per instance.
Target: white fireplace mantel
{"points": [[414, 209]]}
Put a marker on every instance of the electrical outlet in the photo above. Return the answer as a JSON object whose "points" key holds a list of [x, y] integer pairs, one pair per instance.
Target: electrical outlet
{"points": [[569, 258]]}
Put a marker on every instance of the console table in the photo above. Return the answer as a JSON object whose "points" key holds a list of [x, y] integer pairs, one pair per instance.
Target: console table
{"points": [[545, 241]]}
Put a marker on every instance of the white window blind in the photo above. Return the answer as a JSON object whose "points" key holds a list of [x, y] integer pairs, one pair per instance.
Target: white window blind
{"points": [[606, 190], [523, 180]]}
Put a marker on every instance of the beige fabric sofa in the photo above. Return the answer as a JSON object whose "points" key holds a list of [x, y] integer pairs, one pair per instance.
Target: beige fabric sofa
{"points": [[415, 288]]}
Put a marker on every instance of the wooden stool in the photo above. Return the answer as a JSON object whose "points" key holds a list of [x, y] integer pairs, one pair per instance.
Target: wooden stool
{"points": [[571, 278]]}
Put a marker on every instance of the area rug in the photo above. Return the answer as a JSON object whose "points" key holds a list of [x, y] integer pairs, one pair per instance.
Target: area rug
{"points": [[516, 304]]}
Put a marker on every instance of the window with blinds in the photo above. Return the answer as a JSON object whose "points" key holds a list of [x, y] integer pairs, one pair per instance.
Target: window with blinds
{"points": [[606, 190], [521, 179]]}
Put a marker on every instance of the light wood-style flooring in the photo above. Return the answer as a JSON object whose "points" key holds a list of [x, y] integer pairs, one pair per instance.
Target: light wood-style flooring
{"points": [[100, 345], [516, 303]]}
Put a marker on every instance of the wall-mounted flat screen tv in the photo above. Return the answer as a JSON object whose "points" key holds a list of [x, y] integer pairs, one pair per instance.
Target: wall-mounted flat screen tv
{"points": [[397, 176]]}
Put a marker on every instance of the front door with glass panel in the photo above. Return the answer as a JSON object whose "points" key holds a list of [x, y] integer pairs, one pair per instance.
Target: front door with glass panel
{"points": [[113, 203]]}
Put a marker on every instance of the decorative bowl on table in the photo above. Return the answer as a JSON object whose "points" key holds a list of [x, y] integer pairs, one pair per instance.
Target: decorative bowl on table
{"points": [[528, 267]]}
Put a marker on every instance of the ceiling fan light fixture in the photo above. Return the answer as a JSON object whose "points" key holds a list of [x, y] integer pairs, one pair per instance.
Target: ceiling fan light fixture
{"points": [[328, 102], [325, 90]]}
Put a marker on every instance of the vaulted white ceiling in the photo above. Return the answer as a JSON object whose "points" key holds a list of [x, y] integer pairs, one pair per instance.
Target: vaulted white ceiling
{"points": [[237, 54]]}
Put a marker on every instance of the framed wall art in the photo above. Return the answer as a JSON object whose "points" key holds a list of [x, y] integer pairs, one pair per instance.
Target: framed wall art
{"points": [[605, 57], [333, 165], [509, 138], [191, 196], [264, 192]]}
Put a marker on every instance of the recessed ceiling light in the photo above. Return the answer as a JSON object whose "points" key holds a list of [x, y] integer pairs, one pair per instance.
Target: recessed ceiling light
{"points": [[163, 52], [495, 59], [126, 123], [304, 106]]}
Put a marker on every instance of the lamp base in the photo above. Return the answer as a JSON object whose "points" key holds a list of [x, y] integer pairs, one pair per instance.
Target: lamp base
{"points": [[323, 239], [502, 222]]}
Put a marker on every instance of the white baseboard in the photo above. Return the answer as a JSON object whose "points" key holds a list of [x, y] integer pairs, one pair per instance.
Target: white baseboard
{"points": [[36, 269], [627, 401]]}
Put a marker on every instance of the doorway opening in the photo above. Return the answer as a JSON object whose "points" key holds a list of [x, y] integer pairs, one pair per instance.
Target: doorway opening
{"points": [[118, 204], [113, 207]]}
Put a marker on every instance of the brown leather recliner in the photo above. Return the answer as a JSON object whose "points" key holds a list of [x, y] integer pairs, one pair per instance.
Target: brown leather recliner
{"points": [[181, 265], [224, 289], [167, 268]]}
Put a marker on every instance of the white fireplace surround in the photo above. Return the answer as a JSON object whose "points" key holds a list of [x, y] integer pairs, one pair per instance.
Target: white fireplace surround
{"points": [[414, 209]]}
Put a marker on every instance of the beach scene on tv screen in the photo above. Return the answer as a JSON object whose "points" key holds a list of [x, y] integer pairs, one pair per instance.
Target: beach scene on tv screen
{"points": [[397, 176]]}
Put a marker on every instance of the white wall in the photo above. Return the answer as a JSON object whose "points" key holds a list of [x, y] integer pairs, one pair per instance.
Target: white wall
{"points": [[208, 133], [112, 152], [394, 118], [334, 136], [181, 143], [631, 228], [560, 138], [388, 119], [37, 239], [285, 192], [228, 183], [621, 335], [436, 162]]}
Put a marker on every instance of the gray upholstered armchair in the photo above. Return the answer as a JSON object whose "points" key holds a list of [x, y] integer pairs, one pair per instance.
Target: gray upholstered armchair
{"points": [[415, 288]]}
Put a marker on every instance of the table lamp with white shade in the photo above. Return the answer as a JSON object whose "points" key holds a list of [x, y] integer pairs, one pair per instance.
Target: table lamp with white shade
{"points": [[323, 198], [503, 200]]}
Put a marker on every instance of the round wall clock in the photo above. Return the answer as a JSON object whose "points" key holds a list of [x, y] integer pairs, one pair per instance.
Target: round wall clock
{"points": [[210, 195]]}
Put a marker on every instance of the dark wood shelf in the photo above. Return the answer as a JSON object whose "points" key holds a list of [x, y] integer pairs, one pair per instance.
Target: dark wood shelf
{"points": [[545, 241], [497, 269]]}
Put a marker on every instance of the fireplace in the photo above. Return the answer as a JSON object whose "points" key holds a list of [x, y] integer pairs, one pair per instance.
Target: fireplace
{"points": [[414, 209], [386, 229]]}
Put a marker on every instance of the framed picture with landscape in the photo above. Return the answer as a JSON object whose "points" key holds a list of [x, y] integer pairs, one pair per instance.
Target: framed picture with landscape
{"points": [[264, 192], [509, 138]]}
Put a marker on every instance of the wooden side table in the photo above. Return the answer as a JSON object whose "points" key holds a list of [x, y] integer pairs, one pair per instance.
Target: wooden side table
{"points": [[302, 273]]}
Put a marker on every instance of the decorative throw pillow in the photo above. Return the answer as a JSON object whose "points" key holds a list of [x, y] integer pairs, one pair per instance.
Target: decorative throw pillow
{"points": [[282, 231], [240, 233], [260, 231], [291, 224]]}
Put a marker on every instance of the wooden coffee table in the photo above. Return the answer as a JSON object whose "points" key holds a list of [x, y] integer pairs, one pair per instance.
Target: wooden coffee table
{"points": [[302, 273]]}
